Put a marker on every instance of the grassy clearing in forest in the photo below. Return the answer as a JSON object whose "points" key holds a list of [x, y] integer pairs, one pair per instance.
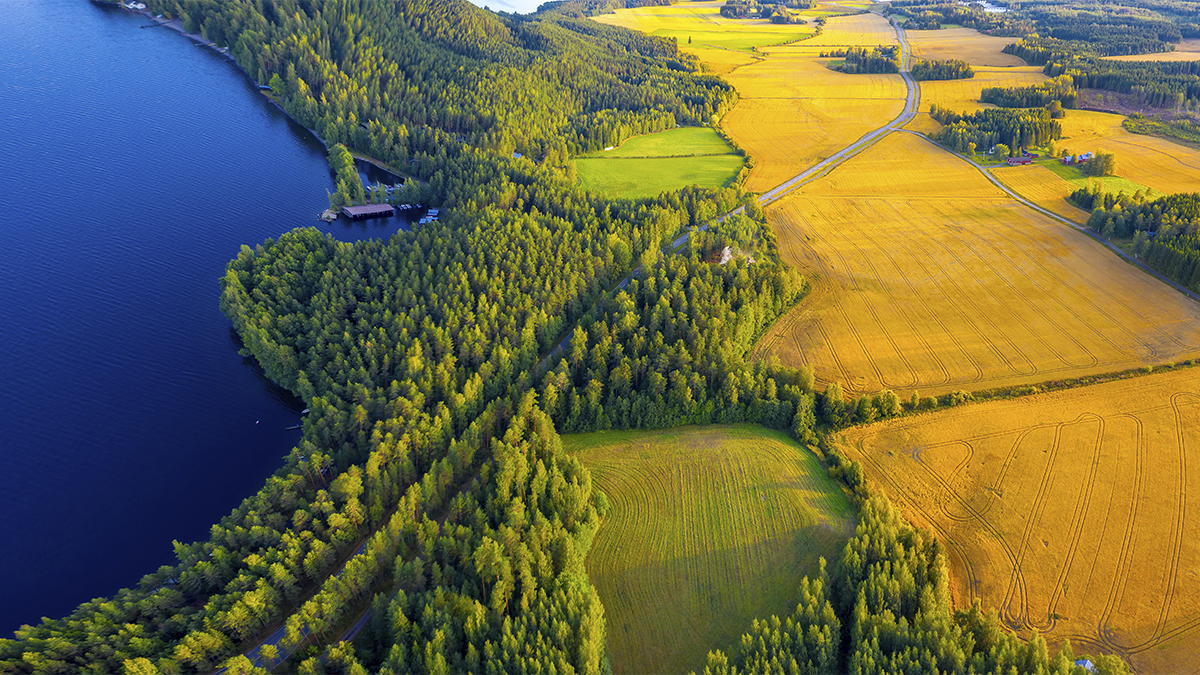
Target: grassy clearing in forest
{"points": [[926, 277], [681, 142], [634, 178], [1069, 512], [646, 166], [709, 528]]}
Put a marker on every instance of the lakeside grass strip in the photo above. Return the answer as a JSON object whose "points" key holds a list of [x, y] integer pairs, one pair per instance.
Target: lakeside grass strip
{"points": [[710, 528]]}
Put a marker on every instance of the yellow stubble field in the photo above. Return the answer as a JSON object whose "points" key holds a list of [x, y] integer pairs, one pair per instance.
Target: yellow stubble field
{"points": [[1044, 188], [1165, 166], [963, 95], [793, 111], [1187, 50], [928, 278], [1074, 513], [966, 44]]}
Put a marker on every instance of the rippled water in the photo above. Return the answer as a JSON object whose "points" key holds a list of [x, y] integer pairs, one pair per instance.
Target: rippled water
{"points": [[133, 165]]}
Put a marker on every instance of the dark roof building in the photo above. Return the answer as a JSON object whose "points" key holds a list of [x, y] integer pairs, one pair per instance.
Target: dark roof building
{"points": [[368, 211]]}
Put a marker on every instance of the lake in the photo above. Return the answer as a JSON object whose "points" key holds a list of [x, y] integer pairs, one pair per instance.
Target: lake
{"points": [[135, 166]]}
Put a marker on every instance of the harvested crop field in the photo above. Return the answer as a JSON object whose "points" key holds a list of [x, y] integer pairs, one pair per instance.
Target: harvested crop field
{"points": [[793, 111], [966, 44], [926, 277], [710, 528], [1165, 166], [1069, 512], [963, 95], [855, 30], [1187, 50], [1044, 188], [702, 23]]}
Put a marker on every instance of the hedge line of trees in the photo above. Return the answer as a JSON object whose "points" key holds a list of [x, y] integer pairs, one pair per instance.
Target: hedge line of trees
{"points": [[1013, 127], [953, 69], [1165, 231], [1060, 89], [865, 60]]}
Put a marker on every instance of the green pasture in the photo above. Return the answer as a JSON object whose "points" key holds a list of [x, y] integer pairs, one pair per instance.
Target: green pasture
{"points": [[1110, 184], [681, 142], [708, 529]]}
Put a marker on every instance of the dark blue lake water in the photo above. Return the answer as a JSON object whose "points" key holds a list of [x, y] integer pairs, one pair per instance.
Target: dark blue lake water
{"points": [[133, 165]]}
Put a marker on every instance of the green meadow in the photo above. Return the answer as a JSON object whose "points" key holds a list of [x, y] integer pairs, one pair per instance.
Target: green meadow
{"points": [[708, 529], [648, 165]]}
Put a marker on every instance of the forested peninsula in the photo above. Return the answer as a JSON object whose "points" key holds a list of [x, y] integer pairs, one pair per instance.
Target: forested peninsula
{"points": [[430, 492]]}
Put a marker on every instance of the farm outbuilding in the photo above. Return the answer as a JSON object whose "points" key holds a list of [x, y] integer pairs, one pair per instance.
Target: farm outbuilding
{"points": [[1019, 161]]}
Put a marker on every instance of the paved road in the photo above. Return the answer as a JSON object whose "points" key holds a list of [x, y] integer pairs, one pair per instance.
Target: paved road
{"points": [[812, 173], [837, 158]]}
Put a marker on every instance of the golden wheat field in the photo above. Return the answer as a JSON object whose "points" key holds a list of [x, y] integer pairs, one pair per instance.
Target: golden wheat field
{"points": [[855, 30], [793, 111], [1044, 188], [703, 25], [966, 44], [1187, 50], [926, 277], [963, 95], [709, 529], [1165, 166], [1073, 513]]}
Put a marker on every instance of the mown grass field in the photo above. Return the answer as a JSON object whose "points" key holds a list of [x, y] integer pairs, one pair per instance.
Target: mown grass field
{"points": [[648, 177], [703, 24], [966, 44], [1073, 513], [926, 277], [1148, 160], [710, 528], [681, 142], [648, 165]]}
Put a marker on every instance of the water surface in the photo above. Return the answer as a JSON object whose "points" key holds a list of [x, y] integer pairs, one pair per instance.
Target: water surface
{"points": [[135, 164]]}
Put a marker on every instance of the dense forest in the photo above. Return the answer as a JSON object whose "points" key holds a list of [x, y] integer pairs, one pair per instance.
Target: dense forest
{"points": [[953, 69], [1165, 231], [933, 14], [1015, 128], [1060, 89], [865, 60], [430, 488], [775, 12]]}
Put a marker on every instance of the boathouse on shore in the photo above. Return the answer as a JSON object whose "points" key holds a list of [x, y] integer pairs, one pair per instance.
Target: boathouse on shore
{"points": [[368, 211]]}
